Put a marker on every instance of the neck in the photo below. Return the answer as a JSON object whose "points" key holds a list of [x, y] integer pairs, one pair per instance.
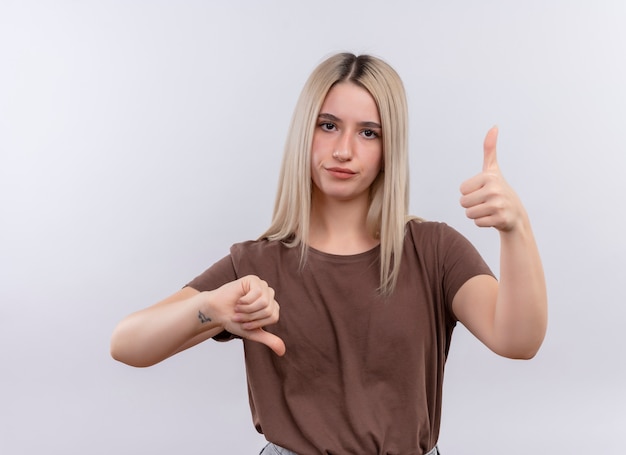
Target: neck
{"points": [[339, 227]]}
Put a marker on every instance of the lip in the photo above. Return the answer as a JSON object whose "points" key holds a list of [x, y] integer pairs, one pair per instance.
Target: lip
{"points": [[340, 172]]}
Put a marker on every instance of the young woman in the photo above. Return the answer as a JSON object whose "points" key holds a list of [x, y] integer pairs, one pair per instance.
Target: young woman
{"points": [[368, 295]]}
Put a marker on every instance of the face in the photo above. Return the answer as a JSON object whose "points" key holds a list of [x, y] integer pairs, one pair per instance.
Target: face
{"points": [[347, 150]]}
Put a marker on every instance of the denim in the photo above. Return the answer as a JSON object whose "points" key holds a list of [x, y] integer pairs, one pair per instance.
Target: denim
{"points": [[273, 449]]}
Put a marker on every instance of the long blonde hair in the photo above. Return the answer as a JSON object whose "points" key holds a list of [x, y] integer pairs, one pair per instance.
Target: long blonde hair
{"points": [[389, 193]]}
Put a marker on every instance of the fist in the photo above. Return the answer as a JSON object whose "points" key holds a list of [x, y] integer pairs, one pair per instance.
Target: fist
{"points": [[487, 197], [246, 306]]}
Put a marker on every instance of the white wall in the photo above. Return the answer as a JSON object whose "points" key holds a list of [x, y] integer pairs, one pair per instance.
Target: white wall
{"points": [[140, 139]]}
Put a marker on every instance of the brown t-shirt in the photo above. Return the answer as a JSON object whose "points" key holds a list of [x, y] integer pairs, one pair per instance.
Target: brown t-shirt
{"points": [[362, 374]]}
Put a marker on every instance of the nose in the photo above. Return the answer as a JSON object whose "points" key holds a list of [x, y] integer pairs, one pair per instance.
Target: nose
{"points": [[343, 148]]}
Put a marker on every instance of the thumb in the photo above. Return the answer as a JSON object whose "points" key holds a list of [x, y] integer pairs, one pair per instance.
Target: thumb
{"points": [[270, 340], [489, 159]]}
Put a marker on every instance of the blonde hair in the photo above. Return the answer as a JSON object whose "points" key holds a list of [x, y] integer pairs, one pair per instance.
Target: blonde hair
{"points": [[389, 193]]}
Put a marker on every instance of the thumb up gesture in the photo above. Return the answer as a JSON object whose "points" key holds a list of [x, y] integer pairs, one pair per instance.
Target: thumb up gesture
{"points": [[487, 197]]}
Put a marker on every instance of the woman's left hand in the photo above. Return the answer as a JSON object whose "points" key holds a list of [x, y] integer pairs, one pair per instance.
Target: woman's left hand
{"points": [[487, 197]]}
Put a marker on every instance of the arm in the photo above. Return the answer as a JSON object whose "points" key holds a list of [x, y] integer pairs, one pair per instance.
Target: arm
{"points": [[509, 317], [188, 317]]}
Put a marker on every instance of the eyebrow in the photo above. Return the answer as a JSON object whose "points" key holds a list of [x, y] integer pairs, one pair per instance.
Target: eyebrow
{"points": [[336, 119]]}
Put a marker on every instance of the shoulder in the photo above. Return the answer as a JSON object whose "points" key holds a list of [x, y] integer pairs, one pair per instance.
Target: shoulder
{"points": [[421, 231], [250, 257], [256, 248], [254, 255], [439, 240]]}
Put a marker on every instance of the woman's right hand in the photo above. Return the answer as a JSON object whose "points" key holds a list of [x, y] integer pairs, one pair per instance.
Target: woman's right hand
{"points": [[188, 317], [243, 307]]}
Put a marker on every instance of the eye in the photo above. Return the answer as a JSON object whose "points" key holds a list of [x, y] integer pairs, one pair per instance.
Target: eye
{"points": [[370, 134], [328, 126]]}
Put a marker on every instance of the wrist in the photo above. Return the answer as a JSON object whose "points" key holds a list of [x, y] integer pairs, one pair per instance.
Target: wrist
{"points": [[206, 317]]}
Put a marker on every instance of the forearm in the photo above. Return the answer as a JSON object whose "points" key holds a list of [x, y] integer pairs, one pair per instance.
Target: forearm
{"points": [[520, 318], [151, 335]]}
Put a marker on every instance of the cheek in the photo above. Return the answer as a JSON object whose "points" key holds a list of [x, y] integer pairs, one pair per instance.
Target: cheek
{"points": [[317, 154], [315, 159], [315, 165], [376, 159]]}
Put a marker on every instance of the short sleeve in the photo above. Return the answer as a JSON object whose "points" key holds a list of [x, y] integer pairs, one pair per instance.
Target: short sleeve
{"points": [[460, 261], [218, 274]]}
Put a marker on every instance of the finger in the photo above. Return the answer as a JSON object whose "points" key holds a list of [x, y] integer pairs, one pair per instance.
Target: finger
{"points": [[263, 317], [476, 212], [472, 198], [251, 295], [254, 307], [472, 184], [489, 158], [253, 302], [270, 340], [485, 221]]}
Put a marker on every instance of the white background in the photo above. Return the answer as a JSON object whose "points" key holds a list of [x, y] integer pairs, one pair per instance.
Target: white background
{"points": [[140, 139]]}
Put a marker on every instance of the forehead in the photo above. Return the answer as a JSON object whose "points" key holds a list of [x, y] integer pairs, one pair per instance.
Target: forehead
{"points": [[346, 100]]}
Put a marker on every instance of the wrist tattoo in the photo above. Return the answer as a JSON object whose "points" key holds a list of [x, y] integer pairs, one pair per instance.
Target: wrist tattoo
{"points": [[203, 318]]}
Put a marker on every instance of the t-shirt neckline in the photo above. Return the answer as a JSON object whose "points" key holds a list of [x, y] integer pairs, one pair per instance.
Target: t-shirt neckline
{"points": [[345, 257]]}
